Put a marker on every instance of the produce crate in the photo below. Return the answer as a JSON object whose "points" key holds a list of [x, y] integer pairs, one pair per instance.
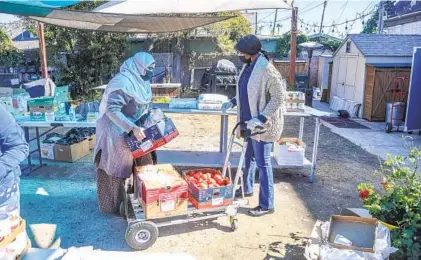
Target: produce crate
{"points": [[204, 198]]}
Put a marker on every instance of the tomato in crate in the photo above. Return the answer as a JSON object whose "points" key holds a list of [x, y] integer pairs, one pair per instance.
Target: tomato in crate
{"points": [[208, 189]]}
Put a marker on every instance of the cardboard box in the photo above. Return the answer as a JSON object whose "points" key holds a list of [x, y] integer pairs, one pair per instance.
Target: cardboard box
{"points": [[41, 109], [287, 154], [211, 197], [162, 191], [156, 136], [47, 148], [360, 231], [71, 153], [92, 141]]}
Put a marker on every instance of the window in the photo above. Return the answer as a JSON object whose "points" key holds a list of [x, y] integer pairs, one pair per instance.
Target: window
{"points": [[348, 47]]}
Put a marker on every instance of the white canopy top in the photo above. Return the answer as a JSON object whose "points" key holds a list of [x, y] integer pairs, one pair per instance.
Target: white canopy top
{"points": [[188, 6]]}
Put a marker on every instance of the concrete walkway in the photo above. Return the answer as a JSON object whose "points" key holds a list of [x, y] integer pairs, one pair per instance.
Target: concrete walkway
{"points": [[375, 140]]}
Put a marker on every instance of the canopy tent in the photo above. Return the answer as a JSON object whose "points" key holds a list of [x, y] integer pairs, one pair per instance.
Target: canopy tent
{"points": [[48, 12], [188, 6]]}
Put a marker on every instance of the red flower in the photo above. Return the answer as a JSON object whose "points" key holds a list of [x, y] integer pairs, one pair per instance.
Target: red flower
{"points": [[383, 182], [364, 194]]}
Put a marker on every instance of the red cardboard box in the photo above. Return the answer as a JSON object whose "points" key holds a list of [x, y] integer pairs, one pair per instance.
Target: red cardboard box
{"points": [[162, 192], [156, 136]]}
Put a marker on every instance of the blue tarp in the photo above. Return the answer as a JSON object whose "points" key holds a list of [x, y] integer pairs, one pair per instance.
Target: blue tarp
{"points": [[33, 8], [413, 113]]}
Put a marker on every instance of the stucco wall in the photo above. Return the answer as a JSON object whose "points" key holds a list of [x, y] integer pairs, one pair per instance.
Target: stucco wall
{"points": [[409, 28]]}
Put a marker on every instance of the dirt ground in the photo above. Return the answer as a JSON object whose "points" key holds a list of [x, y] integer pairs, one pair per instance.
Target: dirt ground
{"points": [[63, 196]]}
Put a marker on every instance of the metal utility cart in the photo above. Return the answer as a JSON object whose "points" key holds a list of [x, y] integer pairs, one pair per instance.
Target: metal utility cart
{"points": [[142, 233]]}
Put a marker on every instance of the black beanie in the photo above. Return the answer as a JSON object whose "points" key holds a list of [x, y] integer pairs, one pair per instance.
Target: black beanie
{"points": [[249, 44]]}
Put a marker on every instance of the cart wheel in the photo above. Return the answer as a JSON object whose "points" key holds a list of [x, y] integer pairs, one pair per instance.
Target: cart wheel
{"points": [[141, 235], [388, 128], [234, 223], [122, 210]]}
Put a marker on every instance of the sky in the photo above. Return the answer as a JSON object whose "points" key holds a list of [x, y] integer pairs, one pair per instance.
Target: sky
{"points": [[310, 12], [337, 11]]}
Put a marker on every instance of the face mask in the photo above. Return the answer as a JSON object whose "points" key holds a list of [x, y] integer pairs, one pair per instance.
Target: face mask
{"points": [[148, 75], [244, 60]]}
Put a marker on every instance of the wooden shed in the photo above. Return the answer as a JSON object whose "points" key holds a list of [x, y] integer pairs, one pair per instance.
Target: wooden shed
{"points": [[379, 82]]}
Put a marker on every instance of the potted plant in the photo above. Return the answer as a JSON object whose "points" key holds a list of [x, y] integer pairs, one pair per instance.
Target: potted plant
{"points": [[396, 201]]}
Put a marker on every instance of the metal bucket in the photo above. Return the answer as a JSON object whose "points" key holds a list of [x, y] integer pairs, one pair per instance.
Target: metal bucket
{"points": [[394, 113]]}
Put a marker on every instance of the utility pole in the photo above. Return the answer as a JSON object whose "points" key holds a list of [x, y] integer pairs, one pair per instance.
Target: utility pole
{"points": [[42, 52], [274, 21], [255, 23], [323, 16], [293, 46], [381, 11]]}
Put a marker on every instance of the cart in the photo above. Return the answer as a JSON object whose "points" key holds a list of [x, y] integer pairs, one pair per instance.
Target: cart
{"points": [[395, 109], [142, 233]]}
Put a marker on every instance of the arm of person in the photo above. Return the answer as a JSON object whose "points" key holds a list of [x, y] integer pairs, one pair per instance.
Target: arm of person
{"points": [[277, 96], [234, 101], [14, 148], [115, 103]]}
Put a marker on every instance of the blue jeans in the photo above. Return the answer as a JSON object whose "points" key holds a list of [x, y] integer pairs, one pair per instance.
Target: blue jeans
{"points": [[258, 154]]}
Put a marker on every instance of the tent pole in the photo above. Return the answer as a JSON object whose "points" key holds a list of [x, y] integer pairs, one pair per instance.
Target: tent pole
{"points": [[42, 52], [293, 48]]}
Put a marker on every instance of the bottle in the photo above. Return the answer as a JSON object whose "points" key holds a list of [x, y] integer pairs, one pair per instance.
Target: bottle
{"points": [[72, 114]]}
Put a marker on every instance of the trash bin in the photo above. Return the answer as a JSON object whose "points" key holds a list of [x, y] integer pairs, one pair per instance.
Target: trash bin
{"points": [[301, 81], [394, 115], [309, 97]]}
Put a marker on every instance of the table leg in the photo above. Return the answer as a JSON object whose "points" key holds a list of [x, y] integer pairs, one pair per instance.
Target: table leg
{"points": [[221, 135], [315, 145], [38, 145], [225, 133], [26, 130], [300, 136]]}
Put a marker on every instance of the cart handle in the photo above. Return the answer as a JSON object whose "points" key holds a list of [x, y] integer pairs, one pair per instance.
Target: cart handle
{"points": [[263, 130]]}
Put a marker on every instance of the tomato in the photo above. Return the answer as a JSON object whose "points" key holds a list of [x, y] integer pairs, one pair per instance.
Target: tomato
{"points": [[227, 181], [203, 185], [208, 176], [218, 178], [216, 185], [199, 172], [218, 173]]}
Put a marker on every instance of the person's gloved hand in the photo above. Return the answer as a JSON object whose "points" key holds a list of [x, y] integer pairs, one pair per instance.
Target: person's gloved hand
{"points": [[226, 106], [254, 123], [139, 133]]}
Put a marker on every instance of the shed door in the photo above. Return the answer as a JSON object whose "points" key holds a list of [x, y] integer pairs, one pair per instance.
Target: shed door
{"points": [[346, 77], [413, 114]]}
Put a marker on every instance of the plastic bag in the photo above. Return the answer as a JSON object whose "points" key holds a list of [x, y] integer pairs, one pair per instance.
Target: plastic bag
{"points": [[183, 103], [152, 117], [382, 245]]}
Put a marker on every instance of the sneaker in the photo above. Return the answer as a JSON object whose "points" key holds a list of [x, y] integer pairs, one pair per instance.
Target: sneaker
{"points": [[239, 195], [259, 211]]}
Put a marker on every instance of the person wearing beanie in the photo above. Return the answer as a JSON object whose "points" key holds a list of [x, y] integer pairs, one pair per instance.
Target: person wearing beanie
{"points": [[260, 101]]}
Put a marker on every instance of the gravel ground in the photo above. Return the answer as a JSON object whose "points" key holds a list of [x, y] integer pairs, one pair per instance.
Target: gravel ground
{"points": [[63, 196]]}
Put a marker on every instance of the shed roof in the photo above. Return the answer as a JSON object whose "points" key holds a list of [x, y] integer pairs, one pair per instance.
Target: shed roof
{"points": [[386, 44], [390, 65]]}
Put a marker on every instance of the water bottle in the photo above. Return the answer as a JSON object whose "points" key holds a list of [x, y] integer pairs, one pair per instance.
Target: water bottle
{"points": [[72, 114]]}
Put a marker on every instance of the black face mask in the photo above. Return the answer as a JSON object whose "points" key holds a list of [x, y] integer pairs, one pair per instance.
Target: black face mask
{"points": [[244, 60]]}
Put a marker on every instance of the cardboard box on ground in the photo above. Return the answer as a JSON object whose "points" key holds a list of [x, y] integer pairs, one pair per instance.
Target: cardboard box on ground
{"points": [[162, 191]]}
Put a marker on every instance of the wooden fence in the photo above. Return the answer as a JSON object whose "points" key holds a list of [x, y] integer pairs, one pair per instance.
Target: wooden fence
{"points": [[283, 68]]}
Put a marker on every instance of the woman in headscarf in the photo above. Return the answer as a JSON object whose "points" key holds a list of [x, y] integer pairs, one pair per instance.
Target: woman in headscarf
{"points": [[126, 97], [260, 102]]}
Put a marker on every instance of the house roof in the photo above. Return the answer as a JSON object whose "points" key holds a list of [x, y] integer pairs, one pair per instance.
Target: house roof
{"points": [[386, 44]]}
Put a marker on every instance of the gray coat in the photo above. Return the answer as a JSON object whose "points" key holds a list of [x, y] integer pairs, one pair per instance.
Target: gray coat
{"points": [[13, 150], [266, 97]]}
